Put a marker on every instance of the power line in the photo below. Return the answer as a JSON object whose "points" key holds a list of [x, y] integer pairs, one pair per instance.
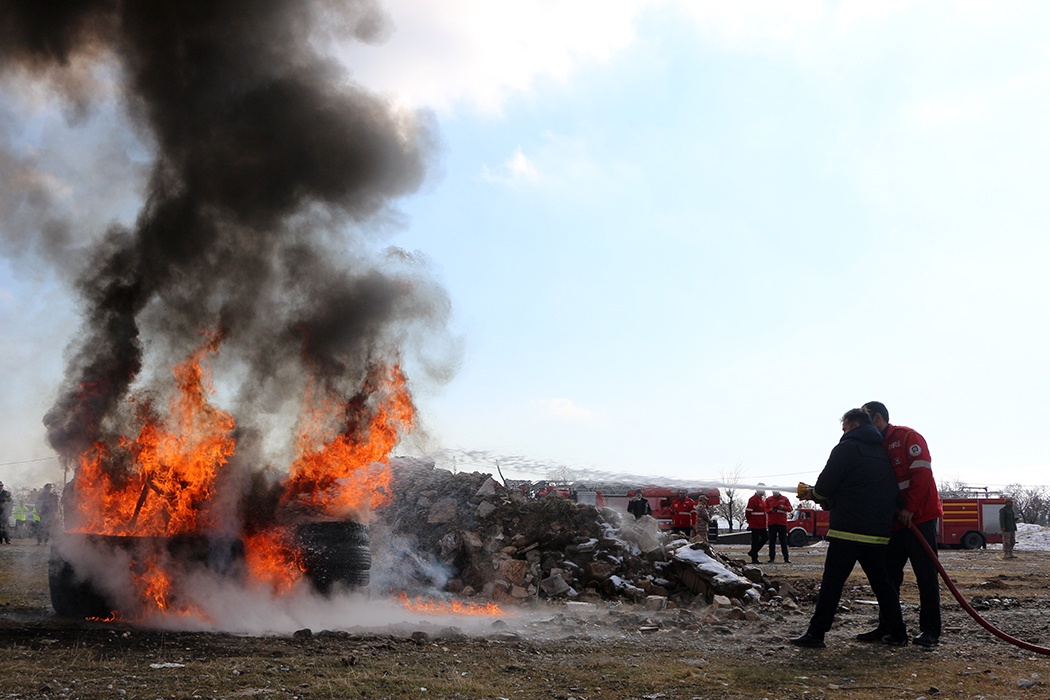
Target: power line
{"points": [[26, 461]]}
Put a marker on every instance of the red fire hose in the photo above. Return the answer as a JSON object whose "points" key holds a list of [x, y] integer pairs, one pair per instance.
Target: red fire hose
{"points": [[969, 608]]}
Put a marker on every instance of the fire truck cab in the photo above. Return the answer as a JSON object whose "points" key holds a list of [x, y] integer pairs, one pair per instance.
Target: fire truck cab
{"points": [[805, 525]]}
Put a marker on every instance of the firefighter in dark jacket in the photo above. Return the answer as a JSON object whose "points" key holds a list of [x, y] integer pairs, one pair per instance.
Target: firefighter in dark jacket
{"points": [[859, 488], [639, 505]]}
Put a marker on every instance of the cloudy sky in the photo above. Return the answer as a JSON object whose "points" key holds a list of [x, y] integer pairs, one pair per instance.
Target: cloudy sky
{"points": [[680, 238]]}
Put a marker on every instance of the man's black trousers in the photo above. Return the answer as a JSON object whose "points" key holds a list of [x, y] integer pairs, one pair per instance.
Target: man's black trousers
{"points": [[904, 546], [842, 556], [758, 539]]}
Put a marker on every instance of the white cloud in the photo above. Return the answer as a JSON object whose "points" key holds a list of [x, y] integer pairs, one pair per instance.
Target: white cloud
{"points": [[566, 409], [519, 167], [479, 52]]}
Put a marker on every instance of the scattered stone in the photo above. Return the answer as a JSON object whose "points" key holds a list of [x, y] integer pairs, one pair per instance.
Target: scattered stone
{"points": [[554, 586], [443, 511], [656, 602], [489, 488], [468, 535]]}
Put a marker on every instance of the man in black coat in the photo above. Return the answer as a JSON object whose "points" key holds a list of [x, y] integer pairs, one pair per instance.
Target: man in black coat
{"points": [[859, 488], [639, 505]]}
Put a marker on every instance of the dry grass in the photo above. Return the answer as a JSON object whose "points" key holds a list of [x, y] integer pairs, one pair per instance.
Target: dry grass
{"points": [[43, 656]]}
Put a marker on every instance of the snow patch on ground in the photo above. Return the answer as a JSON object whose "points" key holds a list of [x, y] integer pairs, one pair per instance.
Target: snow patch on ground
{"points": [[1029, 537]]}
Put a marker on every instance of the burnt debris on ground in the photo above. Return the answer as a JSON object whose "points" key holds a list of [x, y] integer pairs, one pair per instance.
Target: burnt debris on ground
{"points": [[469, 536]]}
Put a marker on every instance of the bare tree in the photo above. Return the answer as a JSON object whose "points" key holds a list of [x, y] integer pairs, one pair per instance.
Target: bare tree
{"points": [[1030, 502], [731, 506], [954, 488]]}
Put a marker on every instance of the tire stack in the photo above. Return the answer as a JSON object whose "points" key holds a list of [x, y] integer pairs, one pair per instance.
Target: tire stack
{"points": [[335, 553]]}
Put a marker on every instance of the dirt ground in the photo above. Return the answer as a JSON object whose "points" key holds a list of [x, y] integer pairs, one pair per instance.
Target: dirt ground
{"points": [[550, 651]]}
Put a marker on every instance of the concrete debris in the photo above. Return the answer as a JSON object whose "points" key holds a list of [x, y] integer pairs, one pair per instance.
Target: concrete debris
{"points": [[467, 535]]}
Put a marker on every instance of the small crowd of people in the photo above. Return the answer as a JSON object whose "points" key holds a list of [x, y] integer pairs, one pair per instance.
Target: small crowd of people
{"points": [[690, 517], [767, 520], [28, 519]]}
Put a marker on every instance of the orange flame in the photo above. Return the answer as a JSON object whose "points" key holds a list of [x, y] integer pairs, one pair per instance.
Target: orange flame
{"points": [[453, 607], [345, 473], [163, 481], [168, 487], [272, 560]]}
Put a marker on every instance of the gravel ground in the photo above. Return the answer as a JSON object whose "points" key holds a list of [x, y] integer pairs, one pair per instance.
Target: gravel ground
{"points": [[548, 650]]}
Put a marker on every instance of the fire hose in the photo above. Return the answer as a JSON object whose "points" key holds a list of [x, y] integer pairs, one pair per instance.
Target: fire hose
{"points": [[966, 605]]}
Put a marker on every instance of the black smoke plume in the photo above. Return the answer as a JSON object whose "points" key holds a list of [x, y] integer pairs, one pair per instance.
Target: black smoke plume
{"points": [[271, 173]]}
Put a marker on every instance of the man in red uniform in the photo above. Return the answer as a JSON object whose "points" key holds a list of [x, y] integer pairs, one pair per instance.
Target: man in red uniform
{"points": [[756, 522], [777, 508], [920, 505], [683, 517]]}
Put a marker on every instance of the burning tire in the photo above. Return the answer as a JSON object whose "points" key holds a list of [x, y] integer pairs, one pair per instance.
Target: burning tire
{"points": [[75, 594], [72, 596], [335, 553]]}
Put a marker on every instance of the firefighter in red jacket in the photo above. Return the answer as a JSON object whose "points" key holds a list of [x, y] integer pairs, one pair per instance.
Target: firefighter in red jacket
{"points": [[920, 505], [756, 522], [683, 515], [777, 508]]}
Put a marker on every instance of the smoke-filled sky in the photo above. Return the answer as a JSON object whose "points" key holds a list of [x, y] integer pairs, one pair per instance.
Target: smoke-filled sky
{"points": [[678, 239]]}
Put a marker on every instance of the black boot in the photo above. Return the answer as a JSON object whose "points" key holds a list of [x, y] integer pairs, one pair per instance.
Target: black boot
{"points": [[874, 635], [812, 640]]}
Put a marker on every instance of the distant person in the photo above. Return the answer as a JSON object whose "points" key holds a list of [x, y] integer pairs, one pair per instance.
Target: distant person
{"points": [[683, 514], [5, 514], [639, 505], [703, 520], [47, 510], [777, 508], [920, 506], [1008, 524], [859, 489], [756, 522], [19, 512]]}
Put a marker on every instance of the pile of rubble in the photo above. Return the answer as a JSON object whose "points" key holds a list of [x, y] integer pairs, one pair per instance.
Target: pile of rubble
{"points": [[467, 534]]}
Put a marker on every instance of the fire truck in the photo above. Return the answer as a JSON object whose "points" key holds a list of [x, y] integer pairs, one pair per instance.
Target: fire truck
{"points": [[806, 525], [968, 523]]}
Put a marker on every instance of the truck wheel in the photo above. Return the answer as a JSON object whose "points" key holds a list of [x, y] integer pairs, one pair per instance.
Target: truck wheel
{"points": [[972, 540], [798, 538]]}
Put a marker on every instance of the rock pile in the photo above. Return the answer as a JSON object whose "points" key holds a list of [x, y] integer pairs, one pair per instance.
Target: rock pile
{"points": [[468, 535]]}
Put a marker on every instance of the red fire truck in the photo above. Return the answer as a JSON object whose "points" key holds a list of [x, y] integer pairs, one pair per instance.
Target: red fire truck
{"points": [[805, 525], [968, 523]]}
